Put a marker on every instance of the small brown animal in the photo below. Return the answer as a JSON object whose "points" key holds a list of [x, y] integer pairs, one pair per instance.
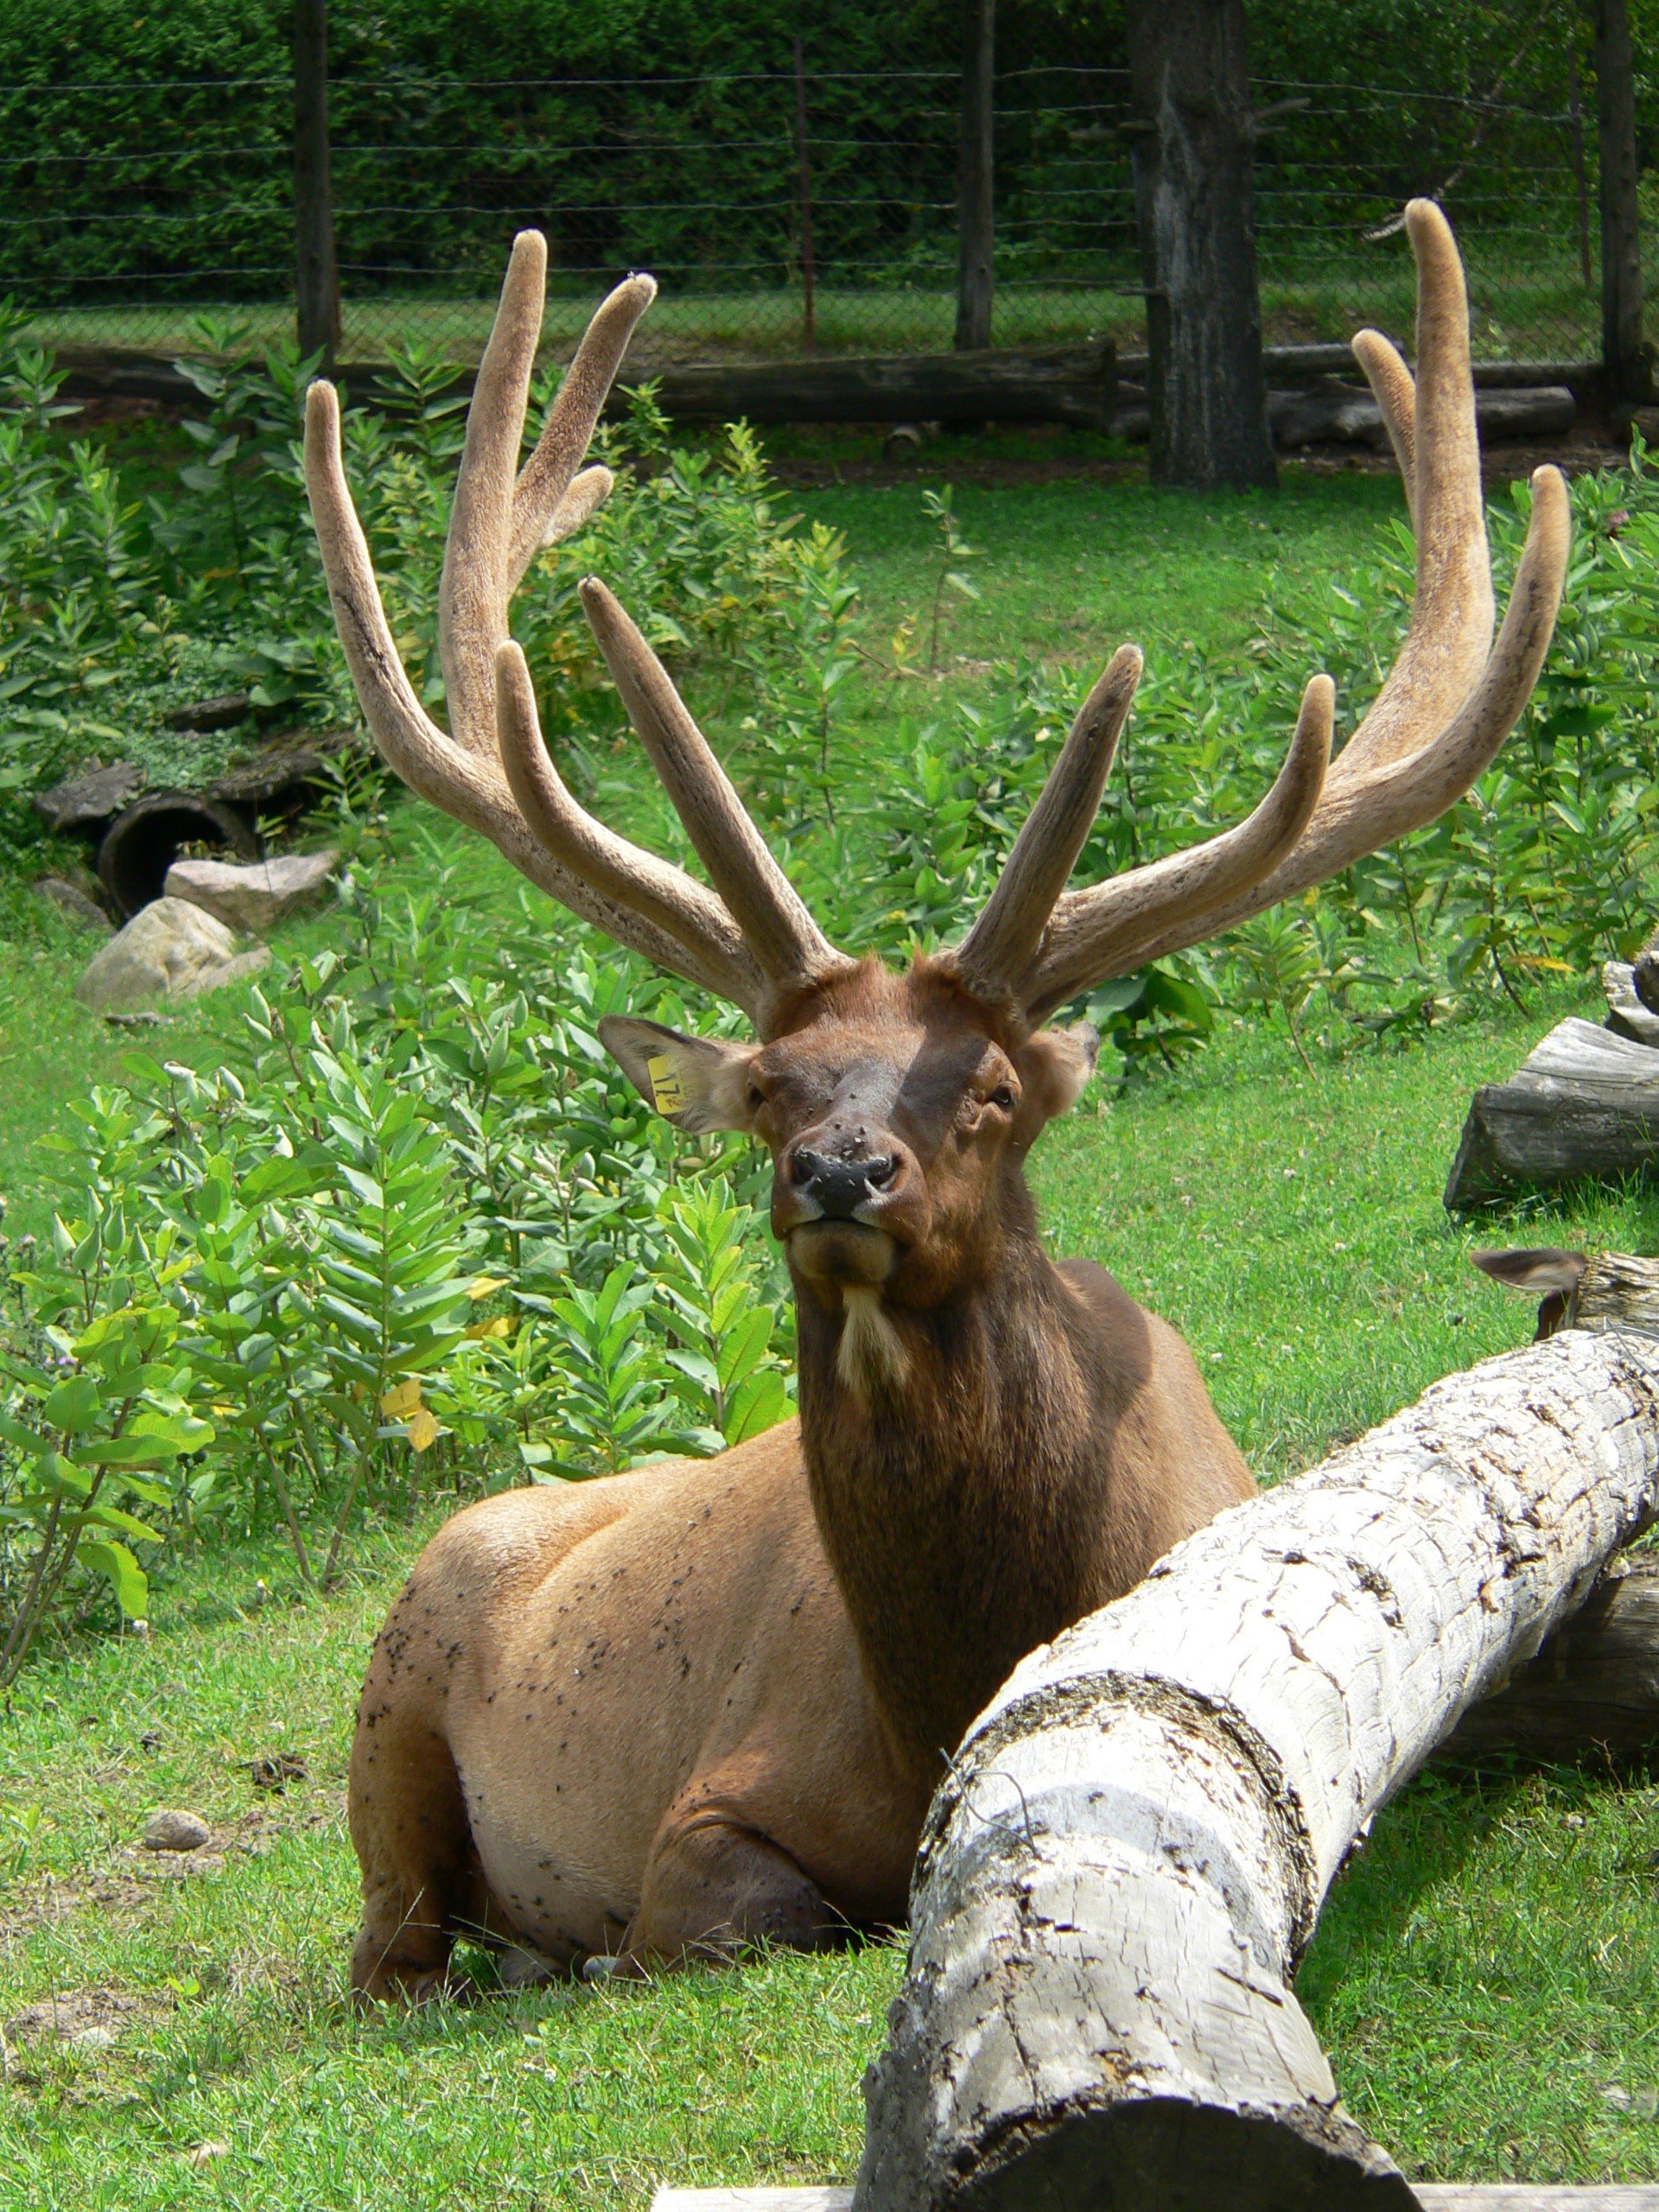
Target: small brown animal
{"points": [[1606, 1290], [676, 1711]]}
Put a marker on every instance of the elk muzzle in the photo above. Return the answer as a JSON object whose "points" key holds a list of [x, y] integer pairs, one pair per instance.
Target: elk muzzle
{"points": [[847, 1208]]}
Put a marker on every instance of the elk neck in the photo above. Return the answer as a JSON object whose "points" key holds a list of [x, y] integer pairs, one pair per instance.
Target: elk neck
{"points": [[960, 1469]]}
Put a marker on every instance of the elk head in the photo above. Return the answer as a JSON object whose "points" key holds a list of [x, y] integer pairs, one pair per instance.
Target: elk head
{"points": [[898, 1108]]}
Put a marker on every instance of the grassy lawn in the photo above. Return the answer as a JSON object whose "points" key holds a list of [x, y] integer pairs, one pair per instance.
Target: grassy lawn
{"points": [[1486, 1970]]}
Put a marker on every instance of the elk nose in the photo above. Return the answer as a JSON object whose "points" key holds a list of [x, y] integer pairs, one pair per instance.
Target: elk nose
{"points": [[841, 1186]]}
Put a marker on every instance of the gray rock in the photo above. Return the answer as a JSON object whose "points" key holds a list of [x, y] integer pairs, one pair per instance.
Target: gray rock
{"points": [[72, 903], [169, 950], [84, 801], [175, 1831], [256, 896]]}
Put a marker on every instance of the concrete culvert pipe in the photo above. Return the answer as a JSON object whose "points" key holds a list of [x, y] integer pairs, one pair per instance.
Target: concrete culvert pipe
{"points": [[142, 844]]}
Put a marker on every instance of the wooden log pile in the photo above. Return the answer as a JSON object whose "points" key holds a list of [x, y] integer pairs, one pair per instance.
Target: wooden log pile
{"points": [[1585, 1103], [1129, 1855], [1312, 398]]}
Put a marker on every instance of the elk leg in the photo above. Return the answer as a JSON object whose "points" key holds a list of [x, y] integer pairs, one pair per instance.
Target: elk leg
{"points": [[408, 1825], [718, 1887]]}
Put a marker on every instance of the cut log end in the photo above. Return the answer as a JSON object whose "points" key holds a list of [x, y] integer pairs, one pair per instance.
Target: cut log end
{"points": [[1164, 2154]]}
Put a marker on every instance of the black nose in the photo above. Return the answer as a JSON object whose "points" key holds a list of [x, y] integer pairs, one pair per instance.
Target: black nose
{"points": [[841, 1186]]}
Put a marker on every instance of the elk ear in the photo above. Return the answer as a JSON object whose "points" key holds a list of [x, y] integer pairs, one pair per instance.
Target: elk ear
{"points": [[1535, 1268], [696, 1083], [1054, 1066]]}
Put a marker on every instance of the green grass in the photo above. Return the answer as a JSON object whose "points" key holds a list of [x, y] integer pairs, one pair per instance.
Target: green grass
{"points": [[1485, 1970]]}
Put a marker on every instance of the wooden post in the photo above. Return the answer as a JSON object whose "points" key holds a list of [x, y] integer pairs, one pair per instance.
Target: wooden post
{"points": [[1580, 173], [1129, 1854], [1625, 358], [1193, 142], [809, 273], [316, 275], [975, 212]]}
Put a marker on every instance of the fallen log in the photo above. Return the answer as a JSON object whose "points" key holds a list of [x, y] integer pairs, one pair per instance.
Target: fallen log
{"points": [[1593, 1688], [1127, 1858], [1288, 365], [1075, 385], [1586, 1101], [1347, 415]]}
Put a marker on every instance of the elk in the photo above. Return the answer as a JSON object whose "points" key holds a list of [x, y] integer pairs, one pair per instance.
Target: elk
{"points": [[671, 1713]]}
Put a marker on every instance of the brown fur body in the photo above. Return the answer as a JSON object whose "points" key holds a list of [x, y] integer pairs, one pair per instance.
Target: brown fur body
{"points": [[642, 1718]]}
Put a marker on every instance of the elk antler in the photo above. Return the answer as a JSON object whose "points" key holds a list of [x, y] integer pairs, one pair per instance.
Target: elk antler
{"points": [[750, 940], [1449, 702]]}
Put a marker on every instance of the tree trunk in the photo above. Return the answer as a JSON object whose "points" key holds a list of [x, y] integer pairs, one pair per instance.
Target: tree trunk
{"points": [[1623, 356], [976, 215], [1193, 141], [1127, 1859], [316, 276]]}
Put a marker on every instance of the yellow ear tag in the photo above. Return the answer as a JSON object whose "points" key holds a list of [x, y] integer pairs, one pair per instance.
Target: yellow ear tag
{"points": [[666, 1094]]}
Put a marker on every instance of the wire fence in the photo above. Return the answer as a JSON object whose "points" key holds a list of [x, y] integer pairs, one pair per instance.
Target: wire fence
{"points": [[130, 212]]}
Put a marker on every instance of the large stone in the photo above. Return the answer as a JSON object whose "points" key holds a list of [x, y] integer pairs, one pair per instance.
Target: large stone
{"points": [[169, 950], [87, 800], [256, 896], [72, 903]]}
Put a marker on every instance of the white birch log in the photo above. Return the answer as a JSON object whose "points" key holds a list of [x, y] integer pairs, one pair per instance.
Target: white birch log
{"points": [[1117, 1879]]}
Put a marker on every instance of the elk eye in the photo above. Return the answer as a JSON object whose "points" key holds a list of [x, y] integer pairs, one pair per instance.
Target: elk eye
{"points": [[757, 1098], [1003, 1097]]}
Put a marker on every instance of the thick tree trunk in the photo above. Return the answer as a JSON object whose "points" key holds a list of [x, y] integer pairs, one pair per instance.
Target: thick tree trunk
{"points": [[1623, 356], [975, 213], [316, 277], [1193, 142], [1117, 1879]]}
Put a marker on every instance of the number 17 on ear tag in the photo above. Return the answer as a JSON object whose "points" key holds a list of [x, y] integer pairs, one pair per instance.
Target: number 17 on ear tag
{"points": [[666, 1094]]}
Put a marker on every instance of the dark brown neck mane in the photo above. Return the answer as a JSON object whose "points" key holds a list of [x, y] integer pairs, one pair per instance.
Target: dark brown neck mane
{"points": [[965, 1511]]}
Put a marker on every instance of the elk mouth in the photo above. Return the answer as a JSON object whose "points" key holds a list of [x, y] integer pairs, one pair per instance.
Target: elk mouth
{"points": [[845, 1252]]}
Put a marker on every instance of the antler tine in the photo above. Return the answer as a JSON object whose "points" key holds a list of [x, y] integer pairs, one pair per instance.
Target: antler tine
{"points": [[1395, 394], [1446, 706], [610, 865], [1452, 612], [775, 924], [998, 949], [673, 921], [1402, 795], [549, 499], [1092, 936], [476, 584]]}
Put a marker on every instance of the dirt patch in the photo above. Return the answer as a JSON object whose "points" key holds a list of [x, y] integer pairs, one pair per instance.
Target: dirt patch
{"points": [[78, 2016]]}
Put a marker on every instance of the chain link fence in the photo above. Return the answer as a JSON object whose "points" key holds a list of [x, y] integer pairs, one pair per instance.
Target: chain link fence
{"points": [[160, 215]]}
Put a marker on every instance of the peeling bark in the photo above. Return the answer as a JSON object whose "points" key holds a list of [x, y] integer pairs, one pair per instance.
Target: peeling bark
{"points": [[1119, 1877]]}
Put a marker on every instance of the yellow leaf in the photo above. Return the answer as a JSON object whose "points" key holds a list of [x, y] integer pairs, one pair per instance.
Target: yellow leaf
{"points": [[423, 1429], [501, 1326], [482, 1286], [1540, 960], [402, 1398]]}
